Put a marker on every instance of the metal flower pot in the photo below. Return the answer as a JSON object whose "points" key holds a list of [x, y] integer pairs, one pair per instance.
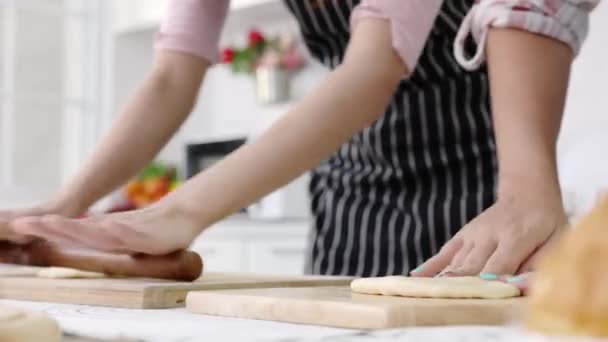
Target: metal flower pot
{"points": [[272, 85]]}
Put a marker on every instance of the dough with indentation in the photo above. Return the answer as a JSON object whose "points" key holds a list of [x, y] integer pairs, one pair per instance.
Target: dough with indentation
{"points": [[66, 273], [442, 287]]}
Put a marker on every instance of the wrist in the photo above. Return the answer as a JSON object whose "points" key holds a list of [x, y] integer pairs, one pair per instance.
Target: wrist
{"points": [[70, 205], [531, 189], [528, 171], [176, 207]]}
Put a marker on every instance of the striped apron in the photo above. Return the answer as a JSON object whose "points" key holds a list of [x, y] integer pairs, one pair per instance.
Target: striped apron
{"points": [[389, 198]]}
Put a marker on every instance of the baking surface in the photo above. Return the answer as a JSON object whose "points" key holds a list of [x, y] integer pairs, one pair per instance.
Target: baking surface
{"points": [[18, 325], [137, 293], [134, 325], [339, 307]]}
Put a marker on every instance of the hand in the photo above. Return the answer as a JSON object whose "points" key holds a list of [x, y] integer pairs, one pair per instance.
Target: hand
{"points": [[522, 281], [157, 230], [507, 238], [50, 207]]}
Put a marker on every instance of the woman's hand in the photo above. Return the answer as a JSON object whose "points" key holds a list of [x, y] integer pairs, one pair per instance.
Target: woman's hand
{"points": [[156, 230], [59, 207], [528, 83], [522, 281], [505, 239]]}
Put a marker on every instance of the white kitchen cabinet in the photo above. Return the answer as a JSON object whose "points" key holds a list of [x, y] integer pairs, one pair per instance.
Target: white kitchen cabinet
{"points": [[285, 255], [226, 255], [241, 244]]}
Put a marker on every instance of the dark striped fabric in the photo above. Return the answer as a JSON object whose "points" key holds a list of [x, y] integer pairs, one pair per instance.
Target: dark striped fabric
{"points": [[396, 192]]}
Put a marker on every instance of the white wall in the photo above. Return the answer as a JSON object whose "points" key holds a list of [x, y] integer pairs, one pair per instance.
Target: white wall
{"points": [[583, 144], [31, 70], [38, 70]]}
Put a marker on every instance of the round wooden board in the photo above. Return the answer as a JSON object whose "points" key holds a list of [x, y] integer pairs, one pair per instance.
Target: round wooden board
{"points": [[18, 325]]}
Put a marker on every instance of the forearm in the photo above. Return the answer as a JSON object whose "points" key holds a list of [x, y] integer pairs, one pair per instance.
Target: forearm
{"points": [[528, 81], [145, 125], [348, 100]]}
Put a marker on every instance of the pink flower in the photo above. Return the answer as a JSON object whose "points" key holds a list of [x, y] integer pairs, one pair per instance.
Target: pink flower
{"points": [[270, 58], [292, 59]]}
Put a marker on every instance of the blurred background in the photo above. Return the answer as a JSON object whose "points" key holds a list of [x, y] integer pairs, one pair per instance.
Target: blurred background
{"points": [[67, 66]]}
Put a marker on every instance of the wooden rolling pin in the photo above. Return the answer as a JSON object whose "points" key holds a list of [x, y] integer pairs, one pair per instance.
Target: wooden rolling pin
{"points": [[180, 265]]}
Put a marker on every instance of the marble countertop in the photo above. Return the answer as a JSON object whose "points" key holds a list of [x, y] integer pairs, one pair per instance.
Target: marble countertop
{"points": [[101, 324]]}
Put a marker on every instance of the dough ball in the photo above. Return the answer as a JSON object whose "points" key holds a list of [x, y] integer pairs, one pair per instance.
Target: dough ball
{"points": [[569, 293], [22, 326]]}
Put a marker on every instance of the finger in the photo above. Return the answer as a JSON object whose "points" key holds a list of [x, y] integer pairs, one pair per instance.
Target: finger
{"points": [[451, 270], [20, 239], [529, 264], [507, 258], [7, 233], [476, 259], [87, 233], [522, 281], [61, 228], [65, 232], [461, 256], [437, 263], [133, 240], [34, 226]]}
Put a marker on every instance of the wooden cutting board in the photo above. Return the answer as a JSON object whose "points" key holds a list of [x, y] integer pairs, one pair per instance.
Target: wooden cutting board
{"points": [[139, 293], [338, 307]]}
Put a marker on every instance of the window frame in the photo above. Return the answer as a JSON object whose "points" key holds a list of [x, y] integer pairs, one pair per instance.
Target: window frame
{"points": [[85, 99]]}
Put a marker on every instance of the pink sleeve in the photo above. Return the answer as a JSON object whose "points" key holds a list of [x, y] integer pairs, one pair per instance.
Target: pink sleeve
{"points": [[564, 20], [411, 22], [193, 26]]}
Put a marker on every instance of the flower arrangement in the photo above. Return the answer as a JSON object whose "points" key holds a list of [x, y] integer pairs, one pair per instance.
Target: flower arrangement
{"points": [[262, 51]]}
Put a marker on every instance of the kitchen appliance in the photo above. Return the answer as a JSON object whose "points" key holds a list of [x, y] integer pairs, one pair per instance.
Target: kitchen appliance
{"points": [[336, 306], [291, 201]]}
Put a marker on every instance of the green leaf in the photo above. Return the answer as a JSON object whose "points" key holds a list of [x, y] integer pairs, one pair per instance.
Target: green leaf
{"points": [[154, 170]]}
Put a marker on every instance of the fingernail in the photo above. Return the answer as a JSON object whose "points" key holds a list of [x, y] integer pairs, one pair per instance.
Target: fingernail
{"points": [[418, 269], [488, 276], [516, 279], [443, 273]]}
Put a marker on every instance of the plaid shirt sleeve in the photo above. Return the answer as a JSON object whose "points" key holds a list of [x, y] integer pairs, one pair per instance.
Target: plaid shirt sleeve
{"points": [[564, 20]]}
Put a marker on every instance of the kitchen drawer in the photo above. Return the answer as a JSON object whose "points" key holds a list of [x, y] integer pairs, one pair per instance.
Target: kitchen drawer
{"points": [[280, 256], [224, 256]]}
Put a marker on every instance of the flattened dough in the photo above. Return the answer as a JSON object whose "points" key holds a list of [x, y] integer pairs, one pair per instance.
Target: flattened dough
{"points": [[22, 326], [65, 273], [443, 287]]}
